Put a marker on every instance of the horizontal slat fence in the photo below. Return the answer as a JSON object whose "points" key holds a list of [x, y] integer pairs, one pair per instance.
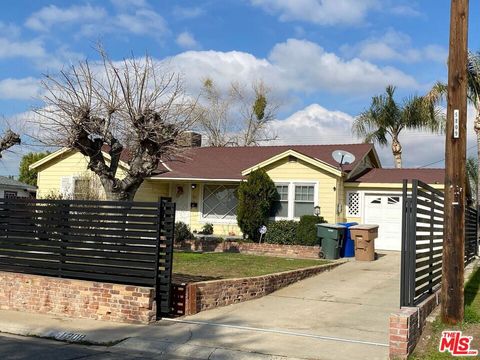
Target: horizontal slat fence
{"points": [[423, 239], [121, 242]]}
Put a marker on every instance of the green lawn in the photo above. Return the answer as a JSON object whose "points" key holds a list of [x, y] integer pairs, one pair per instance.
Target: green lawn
{"points": [[428, 347], [209, 266]]}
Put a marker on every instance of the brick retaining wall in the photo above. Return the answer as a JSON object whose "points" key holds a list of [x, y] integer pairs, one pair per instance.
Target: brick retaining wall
{"points": [[76, 298], [277, 250], [208, 295], [407, 324]]}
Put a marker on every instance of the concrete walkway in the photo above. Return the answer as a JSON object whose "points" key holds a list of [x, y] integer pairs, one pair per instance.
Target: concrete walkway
{"points": [[341, 314], [350, 304]]}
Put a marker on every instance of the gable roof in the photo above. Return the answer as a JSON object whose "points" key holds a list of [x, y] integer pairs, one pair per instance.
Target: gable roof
{"points": [[227, 163], [6, 181], [427, 175]]}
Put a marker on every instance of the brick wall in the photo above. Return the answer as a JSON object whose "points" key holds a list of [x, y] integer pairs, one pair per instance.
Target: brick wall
{"points": [[407, 324], [208, 295], [76, 298], [213, 245]]}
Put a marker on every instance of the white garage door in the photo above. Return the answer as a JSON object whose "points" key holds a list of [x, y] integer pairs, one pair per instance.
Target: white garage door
{"points": [[386, 211]]}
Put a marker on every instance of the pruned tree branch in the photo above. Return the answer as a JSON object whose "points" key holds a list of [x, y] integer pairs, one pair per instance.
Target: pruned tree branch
{"points": [[134, 110], [8, 140]]}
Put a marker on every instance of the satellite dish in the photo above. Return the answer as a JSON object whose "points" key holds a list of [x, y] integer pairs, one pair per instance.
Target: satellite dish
{"points": [[343, 157]]}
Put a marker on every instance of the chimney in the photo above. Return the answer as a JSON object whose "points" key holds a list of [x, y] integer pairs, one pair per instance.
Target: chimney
{"points": [[190, 139]]}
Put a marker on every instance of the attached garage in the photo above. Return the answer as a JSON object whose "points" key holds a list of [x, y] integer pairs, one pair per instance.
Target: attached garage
{"points": [[375, 197]]}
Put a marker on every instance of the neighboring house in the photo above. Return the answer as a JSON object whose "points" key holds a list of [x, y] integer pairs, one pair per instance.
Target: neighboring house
{"points": [[10, 188], [204, 184]]}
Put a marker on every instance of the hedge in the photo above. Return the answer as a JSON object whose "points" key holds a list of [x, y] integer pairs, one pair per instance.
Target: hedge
{"points": [[291, 232]]}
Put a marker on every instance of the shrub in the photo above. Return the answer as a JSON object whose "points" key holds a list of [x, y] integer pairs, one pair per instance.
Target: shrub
{"points": [[281, 232], [307, 231], [207, 229], [255, 200], [182, 231]]}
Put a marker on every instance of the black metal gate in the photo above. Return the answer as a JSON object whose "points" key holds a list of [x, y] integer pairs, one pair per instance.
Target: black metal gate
{"points": [[422, 241]]}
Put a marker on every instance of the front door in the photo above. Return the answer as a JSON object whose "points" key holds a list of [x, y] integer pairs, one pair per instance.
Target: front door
{"points": [[181, 196]]}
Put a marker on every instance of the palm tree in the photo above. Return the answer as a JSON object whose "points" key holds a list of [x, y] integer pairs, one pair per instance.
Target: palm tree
{"points": [[439, 93], [385, 120], [472, 176]]}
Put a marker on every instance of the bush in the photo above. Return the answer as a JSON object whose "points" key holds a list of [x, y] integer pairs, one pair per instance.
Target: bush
{"points": [[307, 231], [281, 232], [207, 229], [182, 231], [255, 199]]}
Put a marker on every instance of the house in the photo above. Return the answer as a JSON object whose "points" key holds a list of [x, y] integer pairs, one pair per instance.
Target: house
{"points": [[10, 188], [203, 184]]}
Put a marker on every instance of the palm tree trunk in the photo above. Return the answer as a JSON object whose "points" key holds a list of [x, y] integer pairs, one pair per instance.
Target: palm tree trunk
{"points": [[397, 152]]}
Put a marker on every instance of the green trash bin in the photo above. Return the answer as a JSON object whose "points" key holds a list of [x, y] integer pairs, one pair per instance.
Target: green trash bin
{"points": [[331, 239]]}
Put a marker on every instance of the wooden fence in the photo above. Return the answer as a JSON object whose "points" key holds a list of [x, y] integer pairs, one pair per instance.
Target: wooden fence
{"points": [[118, 242]]}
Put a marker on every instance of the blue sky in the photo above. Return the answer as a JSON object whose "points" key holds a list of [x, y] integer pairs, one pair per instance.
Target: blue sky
{"points": [[323, 59]]}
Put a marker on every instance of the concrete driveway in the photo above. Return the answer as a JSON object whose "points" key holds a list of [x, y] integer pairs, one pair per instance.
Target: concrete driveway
{"points": [[341, 314]]}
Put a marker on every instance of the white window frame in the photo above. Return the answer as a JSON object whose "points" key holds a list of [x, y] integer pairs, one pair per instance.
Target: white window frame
{"points": [[360, 203], [291, 196], [204, 220]]}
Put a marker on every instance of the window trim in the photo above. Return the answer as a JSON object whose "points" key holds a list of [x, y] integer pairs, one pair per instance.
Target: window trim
{"points": [[204, 220], [291, 196]]}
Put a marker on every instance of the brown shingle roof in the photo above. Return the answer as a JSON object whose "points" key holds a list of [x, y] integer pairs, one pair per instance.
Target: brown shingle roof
{"points": [[229, 162], [429, 176]]}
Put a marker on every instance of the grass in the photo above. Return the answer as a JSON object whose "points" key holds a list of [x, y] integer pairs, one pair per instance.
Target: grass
{"points": [[231, 265], [428, 346]]}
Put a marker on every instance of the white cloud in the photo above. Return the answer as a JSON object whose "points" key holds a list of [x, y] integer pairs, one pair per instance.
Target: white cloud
{"points": [[322, 12], [20, 89], [181, 12], [132, 16], [315, 125], [307, 66], [405, 10], [17, 48], [292, 66], [397, 46], [48, 16], [186, 40], [141, 22]]}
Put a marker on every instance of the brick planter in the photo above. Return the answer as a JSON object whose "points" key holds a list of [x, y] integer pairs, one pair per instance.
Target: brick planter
{"points": [[407, 324], [76, 298], [277, 250], [206, 295]]}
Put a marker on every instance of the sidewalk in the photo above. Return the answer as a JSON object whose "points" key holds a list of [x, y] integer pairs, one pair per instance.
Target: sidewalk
{"points": [[163, 340]]}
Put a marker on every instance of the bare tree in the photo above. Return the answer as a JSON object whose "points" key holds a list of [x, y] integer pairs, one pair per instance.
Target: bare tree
{"points": [[236, 118], [8, 140], [134, 110]]}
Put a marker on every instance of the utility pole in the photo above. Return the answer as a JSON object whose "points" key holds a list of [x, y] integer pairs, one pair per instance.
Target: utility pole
{"points": [[455, 174]]}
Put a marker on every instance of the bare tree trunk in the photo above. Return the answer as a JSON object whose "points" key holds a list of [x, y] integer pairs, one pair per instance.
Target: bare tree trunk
{"points": [[397, 153], [8, 140]]}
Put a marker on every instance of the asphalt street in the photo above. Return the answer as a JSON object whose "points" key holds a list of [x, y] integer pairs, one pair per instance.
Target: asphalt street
{"points": [[30, 348]]}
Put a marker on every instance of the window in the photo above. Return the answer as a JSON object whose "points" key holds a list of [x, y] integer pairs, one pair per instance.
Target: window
{"points": [[393, 200], [220, 202], [304, 200], [281, 206], [376, 201], [10, 194], [353, 203], [81, 189]]}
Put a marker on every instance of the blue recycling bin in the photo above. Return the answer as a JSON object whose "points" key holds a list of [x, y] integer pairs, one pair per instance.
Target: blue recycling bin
{"points": [[348, 247]]}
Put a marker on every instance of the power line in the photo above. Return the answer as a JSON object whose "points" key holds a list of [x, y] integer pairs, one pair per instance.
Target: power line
{"points": [[439, 161]]}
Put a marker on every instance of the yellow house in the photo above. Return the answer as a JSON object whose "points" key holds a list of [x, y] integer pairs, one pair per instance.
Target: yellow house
{"points": [[203, 184]]}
